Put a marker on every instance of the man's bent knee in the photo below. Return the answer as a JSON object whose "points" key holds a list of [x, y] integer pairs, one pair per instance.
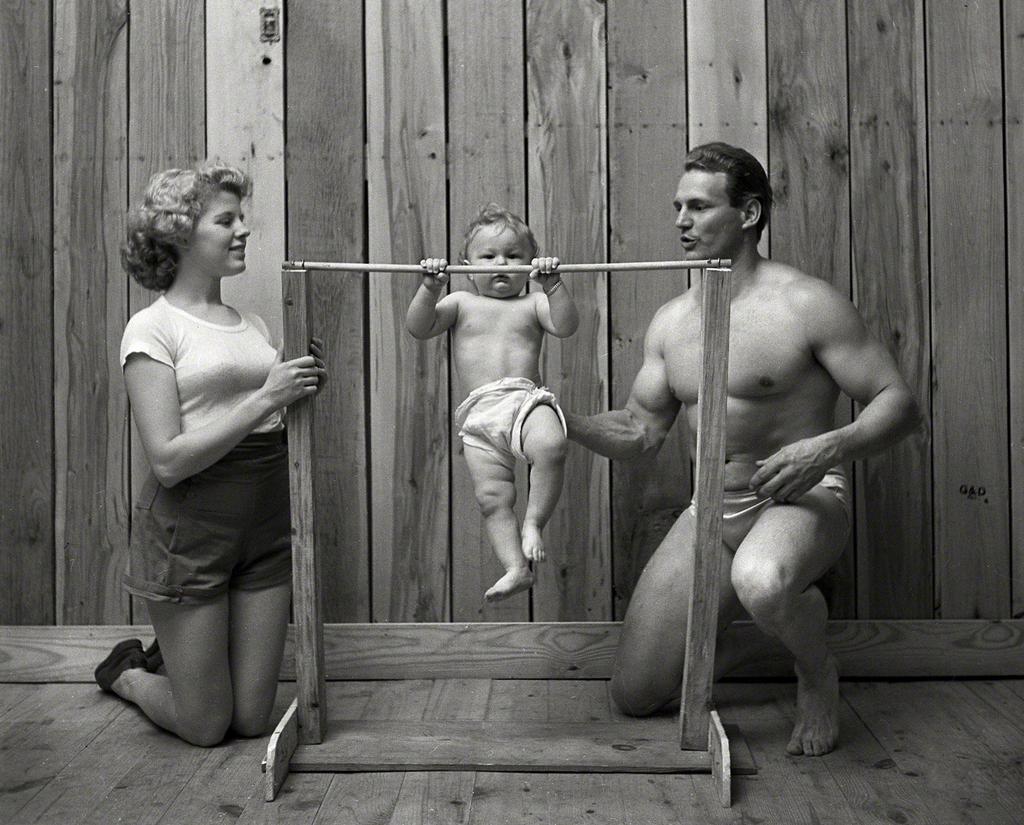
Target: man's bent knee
{"points": [[763, 590], [635, 700]]}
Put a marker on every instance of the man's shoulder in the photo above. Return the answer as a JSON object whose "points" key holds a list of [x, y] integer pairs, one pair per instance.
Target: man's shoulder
{"points": [[802, 292], [676, 307]]}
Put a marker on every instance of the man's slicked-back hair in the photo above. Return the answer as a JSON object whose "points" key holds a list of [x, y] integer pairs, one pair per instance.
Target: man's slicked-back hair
{"points": [[746, 176], [495, 215]]}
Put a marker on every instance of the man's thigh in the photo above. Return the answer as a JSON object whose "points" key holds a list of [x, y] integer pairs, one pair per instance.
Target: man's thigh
{"points": [[799, 541], [649, 659]]}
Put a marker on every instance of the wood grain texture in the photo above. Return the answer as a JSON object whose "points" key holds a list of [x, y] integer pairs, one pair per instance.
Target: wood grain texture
{"points": [[26, 316], [564, 650], [520, 747], [1013, 102], [46, 733], [487, 163], [280, 748], [306, 592], [77, 788], [917, 721], [443, 797], [245, 128], [889, 228], [567, 211], [968, 302], [720, 753], [702, 616], [166, 129], [646, 145], [90, 305], [326, 211], [409, 421], [727, 77], [809, 162]]}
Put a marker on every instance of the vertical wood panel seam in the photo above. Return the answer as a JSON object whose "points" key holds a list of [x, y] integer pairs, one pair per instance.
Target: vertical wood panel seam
{"points": [[1006, 306], [55, 578], [367, 337], [855, 487], [926, 121], [126, 424], [449, 349]]}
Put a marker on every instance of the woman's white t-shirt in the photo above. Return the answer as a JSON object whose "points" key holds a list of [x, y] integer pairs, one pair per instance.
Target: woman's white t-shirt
{"points": [[215, 366]]}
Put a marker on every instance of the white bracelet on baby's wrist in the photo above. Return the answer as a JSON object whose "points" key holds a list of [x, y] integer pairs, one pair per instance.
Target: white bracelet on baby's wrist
{"points": [[558, 283]]}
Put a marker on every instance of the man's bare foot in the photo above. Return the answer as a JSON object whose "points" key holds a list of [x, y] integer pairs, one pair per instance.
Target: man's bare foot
{"points": [[817, 711], [515, 580], [533, 544]]}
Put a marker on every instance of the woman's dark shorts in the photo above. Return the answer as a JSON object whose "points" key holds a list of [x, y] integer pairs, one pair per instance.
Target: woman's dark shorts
{"points": [[227, 527]]}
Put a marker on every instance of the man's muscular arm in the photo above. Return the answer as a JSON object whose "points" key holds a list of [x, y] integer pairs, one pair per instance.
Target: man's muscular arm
{"points": [[641, 427], [864, 370]]}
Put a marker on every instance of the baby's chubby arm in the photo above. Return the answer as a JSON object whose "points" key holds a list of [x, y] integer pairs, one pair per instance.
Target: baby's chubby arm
{"points": [[556, 310], [428, 316]]}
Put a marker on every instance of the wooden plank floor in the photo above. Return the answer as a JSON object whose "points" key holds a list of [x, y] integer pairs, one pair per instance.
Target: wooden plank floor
{"points": [[911, 752]]}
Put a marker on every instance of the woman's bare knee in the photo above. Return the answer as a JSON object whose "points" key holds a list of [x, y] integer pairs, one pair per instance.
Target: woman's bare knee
{"points": [[251, 722], [205, 731]]}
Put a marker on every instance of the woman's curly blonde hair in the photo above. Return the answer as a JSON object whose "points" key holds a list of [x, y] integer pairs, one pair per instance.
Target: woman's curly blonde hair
{"points": [[163, 222]]}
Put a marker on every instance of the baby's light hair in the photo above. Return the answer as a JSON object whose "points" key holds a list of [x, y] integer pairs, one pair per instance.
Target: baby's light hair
{"points": [[163, 222], [495, 215]]}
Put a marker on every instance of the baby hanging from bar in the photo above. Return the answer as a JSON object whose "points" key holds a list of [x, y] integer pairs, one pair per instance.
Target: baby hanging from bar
{"points": [[508, 414]]}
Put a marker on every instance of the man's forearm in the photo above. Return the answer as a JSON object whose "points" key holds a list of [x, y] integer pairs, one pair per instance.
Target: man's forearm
{"points": [[888, 418], [615, 434]]}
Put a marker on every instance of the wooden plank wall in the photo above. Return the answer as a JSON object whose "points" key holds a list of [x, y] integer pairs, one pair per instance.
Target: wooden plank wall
{"points": [[892, 132]]}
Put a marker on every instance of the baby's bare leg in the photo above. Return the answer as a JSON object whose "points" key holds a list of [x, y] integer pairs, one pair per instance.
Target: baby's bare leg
{"points": [[495, 487], [545, 446]]}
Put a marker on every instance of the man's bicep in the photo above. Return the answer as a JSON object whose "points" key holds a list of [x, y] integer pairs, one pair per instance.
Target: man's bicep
{"points": [[651, 400], [855, 359]]}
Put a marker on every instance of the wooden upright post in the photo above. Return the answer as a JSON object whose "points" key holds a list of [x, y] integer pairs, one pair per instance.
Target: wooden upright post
{"points": [[309, 636], [701, 629]]}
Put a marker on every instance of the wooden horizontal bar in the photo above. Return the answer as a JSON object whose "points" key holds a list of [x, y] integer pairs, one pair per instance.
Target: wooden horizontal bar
{"points": [[469, 269], [560, 650], [522, 747]]}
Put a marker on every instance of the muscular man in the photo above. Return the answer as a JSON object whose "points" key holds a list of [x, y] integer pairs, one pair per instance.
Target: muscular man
{"points": [[794, 343]]}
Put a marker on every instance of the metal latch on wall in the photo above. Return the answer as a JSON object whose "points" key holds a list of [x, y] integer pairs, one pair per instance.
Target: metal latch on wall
{"points": [[270, 25]]}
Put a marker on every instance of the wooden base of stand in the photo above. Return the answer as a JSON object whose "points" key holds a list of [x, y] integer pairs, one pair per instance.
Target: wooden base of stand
{"points": [[519, 747]]}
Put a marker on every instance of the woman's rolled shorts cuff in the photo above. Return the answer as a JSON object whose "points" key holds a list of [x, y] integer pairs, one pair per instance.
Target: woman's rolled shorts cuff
{"points": [[155, 592]]}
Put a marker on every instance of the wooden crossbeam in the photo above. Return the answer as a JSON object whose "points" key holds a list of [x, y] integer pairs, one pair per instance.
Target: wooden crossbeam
{"points": [[520, 747], [864, 648]]}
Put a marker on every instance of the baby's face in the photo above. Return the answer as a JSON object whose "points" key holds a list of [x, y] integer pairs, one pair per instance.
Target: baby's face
{"points": [[494, 245]]}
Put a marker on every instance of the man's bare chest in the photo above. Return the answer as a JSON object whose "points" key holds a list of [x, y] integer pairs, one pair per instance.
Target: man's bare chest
{"points": [[768, 355]]}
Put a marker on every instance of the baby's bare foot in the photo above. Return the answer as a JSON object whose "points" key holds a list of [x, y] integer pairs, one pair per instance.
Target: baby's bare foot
{"points": [[515, 580], [817, 711], [533, 544]]}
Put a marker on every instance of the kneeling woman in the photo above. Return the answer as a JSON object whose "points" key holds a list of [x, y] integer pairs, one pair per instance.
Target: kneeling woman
{"points": [[211, 547]]}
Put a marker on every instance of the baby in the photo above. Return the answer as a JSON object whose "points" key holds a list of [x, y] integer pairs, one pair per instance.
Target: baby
{"points": [[496, 336]]}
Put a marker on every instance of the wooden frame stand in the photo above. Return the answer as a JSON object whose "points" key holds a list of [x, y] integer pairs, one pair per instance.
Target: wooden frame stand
{"points": [[301, 741]]}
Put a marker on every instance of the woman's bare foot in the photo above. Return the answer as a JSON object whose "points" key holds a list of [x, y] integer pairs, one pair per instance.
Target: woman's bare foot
{"points": [[515, 580], [533, 544], [817, 711]]}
